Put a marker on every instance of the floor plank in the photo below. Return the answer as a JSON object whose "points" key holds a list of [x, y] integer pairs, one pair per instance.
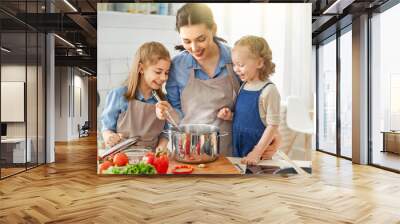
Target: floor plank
{"points": [[69, 191], [387, 159]]}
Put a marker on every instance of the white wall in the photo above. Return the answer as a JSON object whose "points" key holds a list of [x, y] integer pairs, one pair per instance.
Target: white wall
{"points": [[118, 37], [61, 103], [12, 73], [33, 126], [67, 116]]}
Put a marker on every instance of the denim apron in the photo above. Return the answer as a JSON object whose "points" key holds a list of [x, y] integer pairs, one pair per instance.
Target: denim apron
{"points": [[248, 127]]}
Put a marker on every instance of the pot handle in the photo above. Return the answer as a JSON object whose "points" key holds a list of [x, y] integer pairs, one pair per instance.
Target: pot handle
{"points": [[169, 131], [223, 134]]}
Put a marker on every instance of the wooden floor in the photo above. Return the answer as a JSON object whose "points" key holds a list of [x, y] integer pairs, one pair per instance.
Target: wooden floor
{"points": [[10, 171], [69, 191], [5, 172], [387, 159]]}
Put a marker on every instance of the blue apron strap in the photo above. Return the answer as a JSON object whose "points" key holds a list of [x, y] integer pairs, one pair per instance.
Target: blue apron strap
{"points": [[241, 87]]}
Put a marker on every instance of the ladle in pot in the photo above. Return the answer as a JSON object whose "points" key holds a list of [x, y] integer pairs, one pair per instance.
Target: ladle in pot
{"points": [[169, 117]]}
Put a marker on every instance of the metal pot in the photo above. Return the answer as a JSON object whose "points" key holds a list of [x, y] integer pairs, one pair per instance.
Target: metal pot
{"points": [[195, 143]]}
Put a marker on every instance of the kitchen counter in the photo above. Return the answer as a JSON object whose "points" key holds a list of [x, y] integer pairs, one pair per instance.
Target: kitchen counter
{"points": [[220, 166], [231, 165], [274, 162]]}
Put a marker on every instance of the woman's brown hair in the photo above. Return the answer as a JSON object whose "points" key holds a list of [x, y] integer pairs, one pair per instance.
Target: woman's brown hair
{"points": [[192, 14], [148, 54]]}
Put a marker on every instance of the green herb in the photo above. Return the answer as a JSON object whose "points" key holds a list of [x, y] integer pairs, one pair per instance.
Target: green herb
{"points": [[113, 170], [139, 168]]}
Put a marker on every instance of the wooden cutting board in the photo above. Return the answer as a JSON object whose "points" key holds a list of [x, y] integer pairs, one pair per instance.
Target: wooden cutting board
{"points": [[220, 166]]}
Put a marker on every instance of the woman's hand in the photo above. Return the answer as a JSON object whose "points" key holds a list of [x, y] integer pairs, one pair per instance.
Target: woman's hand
{"points": [[225, 114], [111, 138], [161, 108]]}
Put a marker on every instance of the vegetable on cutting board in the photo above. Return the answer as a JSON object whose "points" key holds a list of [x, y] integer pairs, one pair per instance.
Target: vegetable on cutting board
{"points": [[120, 159], [151, 164], [149, 158], [182, 169], [105, 165], [161, 162], [138, 168]]}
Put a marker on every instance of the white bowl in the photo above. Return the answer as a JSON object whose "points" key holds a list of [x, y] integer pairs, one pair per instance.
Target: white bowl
{"points": [[136, 155]]}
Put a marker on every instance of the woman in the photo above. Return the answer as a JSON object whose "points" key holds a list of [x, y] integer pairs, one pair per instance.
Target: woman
{"points": [[201, 79]]}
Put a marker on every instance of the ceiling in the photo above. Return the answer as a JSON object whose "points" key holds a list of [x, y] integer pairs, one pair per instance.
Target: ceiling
{"points": [[76, 23], [76, 26]]}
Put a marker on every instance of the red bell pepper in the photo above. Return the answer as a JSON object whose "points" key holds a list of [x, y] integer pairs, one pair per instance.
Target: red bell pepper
{"points": [[105, 165], [182, 169], [161, 162], [149, 158]]}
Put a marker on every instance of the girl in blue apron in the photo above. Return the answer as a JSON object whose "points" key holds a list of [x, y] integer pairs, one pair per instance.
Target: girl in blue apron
{"points": [[256, 115]]}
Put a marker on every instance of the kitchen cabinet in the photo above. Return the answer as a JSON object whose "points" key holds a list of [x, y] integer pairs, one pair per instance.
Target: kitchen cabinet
{"points": [[391, 141]]}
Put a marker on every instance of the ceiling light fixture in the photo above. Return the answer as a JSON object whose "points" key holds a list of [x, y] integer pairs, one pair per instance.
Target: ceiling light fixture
{"points": [[84, 71], [65, 41], [70, 5], [5, 49]]}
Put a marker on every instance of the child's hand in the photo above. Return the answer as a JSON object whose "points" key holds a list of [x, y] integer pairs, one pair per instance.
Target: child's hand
{"points": [[253, 157], [267, 155], [272, 148], [161, 108], [162, 144], [225, 114], [112, 139]]}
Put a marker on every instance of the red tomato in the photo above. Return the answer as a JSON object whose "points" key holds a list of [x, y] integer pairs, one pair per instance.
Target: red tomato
{"points": [[149, 158], [161, 164], [105, 166], [120, 159]]}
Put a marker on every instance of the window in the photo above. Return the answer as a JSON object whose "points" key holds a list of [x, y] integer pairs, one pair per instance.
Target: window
{"points": [[385, 89], [22, 66], [346, 94], [327, 96], [394, 102]]}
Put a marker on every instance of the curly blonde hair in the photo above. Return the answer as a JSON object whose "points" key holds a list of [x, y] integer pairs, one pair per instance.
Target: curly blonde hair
{"points": [[259, 47]]}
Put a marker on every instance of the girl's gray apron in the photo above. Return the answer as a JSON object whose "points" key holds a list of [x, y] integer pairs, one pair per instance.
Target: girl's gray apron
{"points": [[140, 120]]}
